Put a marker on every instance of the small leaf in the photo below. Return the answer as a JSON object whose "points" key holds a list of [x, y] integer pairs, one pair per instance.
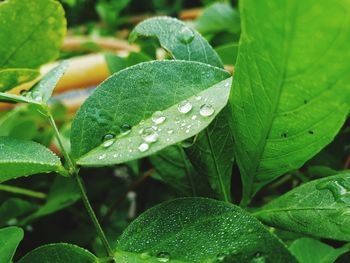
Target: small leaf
{"points": [[14, 208], [116, 63], [63, 193], [9, 240], [228, 53], [44, 89], [11, 78], [199, 230], [219, 17], [59, 253], [22, 158], [318, 208], [7, 97], [308, 250], [283, 84], [31, 32], [182, 42], [129, 117]]}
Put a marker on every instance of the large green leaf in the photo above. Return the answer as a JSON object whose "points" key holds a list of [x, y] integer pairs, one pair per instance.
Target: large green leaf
{"points": [[10, 78], [178, 39], [151, 98], [291, 78], [199, 230], [9, 240], [31, 32], [308, 250], [22, 158], [319, 208], [59, 253], [212, 154]]}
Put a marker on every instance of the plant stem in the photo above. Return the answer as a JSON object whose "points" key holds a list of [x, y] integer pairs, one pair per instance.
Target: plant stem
{"points": [[22, 191], [73, 171]]}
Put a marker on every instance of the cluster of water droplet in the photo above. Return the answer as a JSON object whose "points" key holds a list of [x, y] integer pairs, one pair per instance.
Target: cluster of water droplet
{"points": [[150, 134]]}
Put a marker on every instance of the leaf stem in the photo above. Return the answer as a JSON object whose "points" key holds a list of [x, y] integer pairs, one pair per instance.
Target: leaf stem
{"points": [[73, 171], [22, 191]]}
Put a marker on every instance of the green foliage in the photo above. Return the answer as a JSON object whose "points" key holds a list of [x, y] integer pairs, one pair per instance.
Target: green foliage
{"points": [[319, 208], [14, 208], [9, 240], [59, 253], [199, 230], [308, 250], [283, 85], [23, 158], [37, 37], [170, 104]]}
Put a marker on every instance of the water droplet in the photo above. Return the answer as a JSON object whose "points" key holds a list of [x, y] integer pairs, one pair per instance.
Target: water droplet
{"points": [[194, 117], [187, 131], [24, 92], [184, 107], [170, 131], [227, 84], [38, 98], [108, 137], [145, 255], [189, 126], [339, 189], [143, 147], [163, 257], [186, 35], [198, 97], [101, 157], [206, 110], [125, 129], [183, 124], [108, 143], [220, 257], [115, 155], [149, 135], [158, 117]]}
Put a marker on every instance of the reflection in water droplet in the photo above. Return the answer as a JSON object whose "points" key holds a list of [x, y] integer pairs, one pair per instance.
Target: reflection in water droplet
{"points": [[194, 117], [108, 137], [149, 135], [186, 35], [163, 257], [143, 147], [158, 117], [184, 107], [339, 189], [101, 157], [145, 255], [125, 129], [206, 110], [108, 143]]}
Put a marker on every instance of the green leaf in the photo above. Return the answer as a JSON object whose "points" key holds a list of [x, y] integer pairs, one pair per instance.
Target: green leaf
{"points": [[228, 53], [42, 91], [318, 208], [23, 158], [178, 39], [14, 208], [11, 78], [219, 17], [7, 97], [142, 91], [31, 32], [199, 230], [212, 160], [63, 193], [283, 84], [9, 240], [59, 253], [308, 250], [116, 63]]}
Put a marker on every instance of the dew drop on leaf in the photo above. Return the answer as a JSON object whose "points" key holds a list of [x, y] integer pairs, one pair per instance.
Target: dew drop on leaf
{"points": [[194, 117], [101, 157], [108, 143], [149, 135], [186, 35], [108, 137], [163, 257], [220, 257], [184, 107], [206, 110], [143, 147], [198, 97], [145, 255], [125, 129], [170, 131], [158, 117]]}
